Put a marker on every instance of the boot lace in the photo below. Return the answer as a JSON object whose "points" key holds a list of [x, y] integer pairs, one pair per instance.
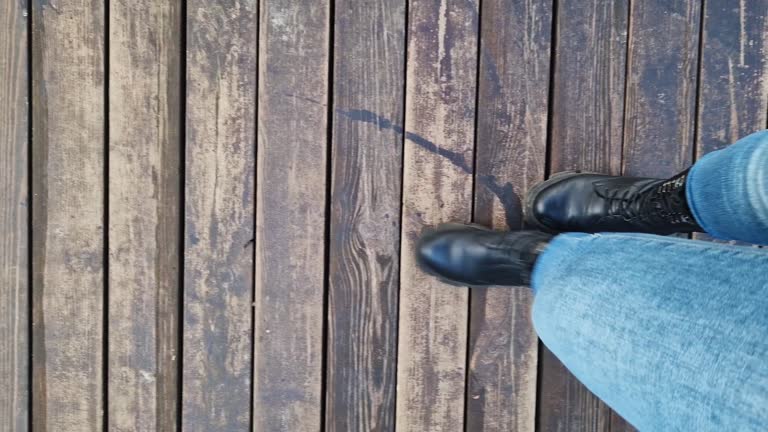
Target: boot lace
{"points": [[662, 202]]}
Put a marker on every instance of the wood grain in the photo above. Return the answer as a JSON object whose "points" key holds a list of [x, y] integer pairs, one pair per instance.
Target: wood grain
{"points": [[587, 134], [290, 221], [368, 71], [661, 90], [437, 178], [589, 77], [144, 214], [733, 93], [565, 404], [511, 157], [734, 75], [68, 215], [14, 212], [661, 87], [219, 215], [618, 423]]}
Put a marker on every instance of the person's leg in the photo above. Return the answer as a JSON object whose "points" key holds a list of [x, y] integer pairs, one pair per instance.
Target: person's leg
{"points": [[727, 191], [724, 194], [671, 333]]}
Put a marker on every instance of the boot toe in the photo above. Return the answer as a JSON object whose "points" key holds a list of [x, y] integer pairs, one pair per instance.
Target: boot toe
{"points": [[474, 256], [433, 252], [547, 204], [549, 209], [565, 202], [448, 252]]}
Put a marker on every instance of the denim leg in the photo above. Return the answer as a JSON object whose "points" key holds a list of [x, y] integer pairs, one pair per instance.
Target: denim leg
{"points": [[671, 333], [728, 190]]}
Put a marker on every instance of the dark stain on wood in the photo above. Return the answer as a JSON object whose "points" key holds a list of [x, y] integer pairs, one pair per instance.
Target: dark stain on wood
{"points": [[504, 192]]}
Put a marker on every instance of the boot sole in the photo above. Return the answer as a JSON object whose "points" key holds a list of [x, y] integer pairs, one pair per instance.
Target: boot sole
{"points": [[528, 214]]}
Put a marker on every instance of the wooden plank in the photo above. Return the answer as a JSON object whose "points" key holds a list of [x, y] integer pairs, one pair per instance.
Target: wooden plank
{"points": [[661, 87], [437, 177], [68, 215], [587, 134], [565, 404], [14, 212], [364, 271], [219, 215], [144, 200], [619, 424], [661, 91], [589, 74], [290, 220], [734, 73], [511, 154], [733, 93]]}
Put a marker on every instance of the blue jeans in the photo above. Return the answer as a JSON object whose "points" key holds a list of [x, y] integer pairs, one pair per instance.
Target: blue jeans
{"points": [[671, 333]]}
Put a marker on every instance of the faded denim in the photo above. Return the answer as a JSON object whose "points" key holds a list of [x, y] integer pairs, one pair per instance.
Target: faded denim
{"points": [[728, 191], [671, 333]]}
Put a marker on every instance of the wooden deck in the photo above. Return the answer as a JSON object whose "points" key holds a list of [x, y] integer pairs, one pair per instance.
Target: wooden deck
{"points": [[208, 209]]}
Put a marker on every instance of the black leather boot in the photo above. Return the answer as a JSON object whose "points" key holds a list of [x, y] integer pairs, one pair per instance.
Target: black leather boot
{"points": [[573, 201], [471, 255]]}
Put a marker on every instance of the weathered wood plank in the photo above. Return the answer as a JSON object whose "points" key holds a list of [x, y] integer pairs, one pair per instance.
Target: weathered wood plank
{"points": [[587, 133], [219, 215], [68, 215], [511, 155], [365, 227], [588, 99], [437, 177], [733, 93], [618, 424], [290, 220], [144, 213], [661, 87], [14, 212], [565, 404], [734, 75]]}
